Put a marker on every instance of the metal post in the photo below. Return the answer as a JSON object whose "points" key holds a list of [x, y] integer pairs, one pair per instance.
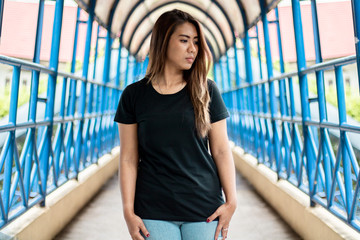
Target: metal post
{"points": [[223, 78], [104, 90], [301, 64], [273, 105], [340, 91], [45, 145], [236, 109], [321, 99], [72, 101], [216, 79], [11, 141], [283, 103], [251, 91], [126, 80], [96, 52], [261, 105], [118, 72], [83, 95], [33, 99], [230, 82], [91, 131]]}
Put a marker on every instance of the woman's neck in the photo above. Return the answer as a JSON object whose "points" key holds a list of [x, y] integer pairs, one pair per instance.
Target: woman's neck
{"points": [[171, 77]]}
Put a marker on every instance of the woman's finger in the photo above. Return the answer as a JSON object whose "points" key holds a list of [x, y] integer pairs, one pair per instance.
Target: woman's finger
{"points": [[217, 232], [137, 236], [213, 216], [144, 230], [224, 231]]}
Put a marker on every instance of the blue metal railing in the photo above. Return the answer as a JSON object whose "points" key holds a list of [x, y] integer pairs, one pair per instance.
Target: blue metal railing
{"points": [[24, 180], [264, 118], [267, 122], [66, 141]]}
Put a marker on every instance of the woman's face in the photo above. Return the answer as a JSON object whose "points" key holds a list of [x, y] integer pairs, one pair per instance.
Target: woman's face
{"points": [[183, 47]]}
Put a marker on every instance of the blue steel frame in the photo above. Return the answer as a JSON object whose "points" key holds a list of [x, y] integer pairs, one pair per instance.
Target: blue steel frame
{"points": [[77, 137], [67, 141], [296, 147]]}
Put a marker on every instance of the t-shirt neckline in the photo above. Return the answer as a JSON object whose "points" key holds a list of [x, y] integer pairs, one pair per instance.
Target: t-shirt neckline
{"points": [[170, 94]]}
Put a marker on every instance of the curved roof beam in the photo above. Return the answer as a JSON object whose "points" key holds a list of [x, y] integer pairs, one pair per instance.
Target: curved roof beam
{"points": [[141, 21], [228, 19], [229, 24], [231, 15]]}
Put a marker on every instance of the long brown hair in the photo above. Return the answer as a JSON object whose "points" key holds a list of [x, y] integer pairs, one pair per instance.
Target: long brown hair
{"points": [[196, 76]]}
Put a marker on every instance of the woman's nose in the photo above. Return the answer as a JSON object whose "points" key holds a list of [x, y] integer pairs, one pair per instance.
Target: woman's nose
{"points": [[192, 47]]}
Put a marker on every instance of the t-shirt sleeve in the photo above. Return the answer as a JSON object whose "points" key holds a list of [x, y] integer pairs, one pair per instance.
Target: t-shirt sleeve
{"points": [[125, 112], [218, 110]]}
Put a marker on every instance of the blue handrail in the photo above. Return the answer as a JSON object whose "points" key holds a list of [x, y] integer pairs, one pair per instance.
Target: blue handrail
{"points": [[300, 146]]}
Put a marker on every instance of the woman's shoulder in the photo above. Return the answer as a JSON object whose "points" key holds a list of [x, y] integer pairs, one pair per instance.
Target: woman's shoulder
{"points": [[136, 85], [211, 85]]}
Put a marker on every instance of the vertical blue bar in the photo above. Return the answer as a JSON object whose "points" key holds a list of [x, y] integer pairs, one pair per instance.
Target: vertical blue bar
{"points": [[73, 62], [118, 72], [229, 80], [251, 89], [36, 59], [237, 67], [49, 111], [258, 51], [281, 59], [126, 80], [107, 59], [135, 69], [72, 100], [340, 90], [10, 155], [104, 90], [222, 72], [116, 93], [304, 95], [96, 52], [33, 98], [356, 20], [273, 104], [216, 78], [79, 134], [321, 99]]}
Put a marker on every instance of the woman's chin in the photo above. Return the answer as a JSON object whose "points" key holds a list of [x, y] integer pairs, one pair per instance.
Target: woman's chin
{"points": [[187, 67]]}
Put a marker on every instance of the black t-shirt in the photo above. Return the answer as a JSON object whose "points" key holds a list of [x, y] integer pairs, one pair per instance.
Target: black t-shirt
{"points": [[177, 177]]}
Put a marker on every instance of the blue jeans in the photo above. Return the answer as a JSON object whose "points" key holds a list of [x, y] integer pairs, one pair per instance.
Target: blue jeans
{"points": [[175, 230]]}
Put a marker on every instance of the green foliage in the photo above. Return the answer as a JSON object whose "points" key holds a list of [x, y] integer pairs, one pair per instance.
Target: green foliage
{"points": [[4, 102], [352, 99], [24, 97]]}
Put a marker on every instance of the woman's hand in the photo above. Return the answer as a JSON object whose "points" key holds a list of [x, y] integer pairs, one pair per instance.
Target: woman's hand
{"points": [[224, 212], [135, 225]]}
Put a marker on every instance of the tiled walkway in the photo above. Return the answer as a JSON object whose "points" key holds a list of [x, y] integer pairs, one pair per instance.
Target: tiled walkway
{"points": [[102, 218]]}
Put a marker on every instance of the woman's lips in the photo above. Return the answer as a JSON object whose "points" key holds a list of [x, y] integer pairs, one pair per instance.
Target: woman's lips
{"points": [[190, 60]]}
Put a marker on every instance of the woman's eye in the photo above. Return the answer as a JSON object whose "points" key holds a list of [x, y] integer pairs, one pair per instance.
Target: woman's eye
{"points": [[183, 40], [196, 43]]}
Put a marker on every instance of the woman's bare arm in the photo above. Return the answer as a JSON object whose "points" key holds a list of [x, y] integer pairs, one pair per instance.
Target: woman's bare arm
{"points": [[129, 160], [221, 153]]}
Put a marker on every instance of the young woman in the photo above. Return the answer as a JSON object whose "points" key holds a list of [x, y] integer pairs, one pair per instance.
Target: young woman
{"points": [[171, 185]]}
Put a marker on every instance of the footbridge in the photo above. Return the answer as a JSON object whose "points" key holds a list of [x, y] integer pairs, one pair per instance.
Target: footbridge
{"points": [[289, 73]]}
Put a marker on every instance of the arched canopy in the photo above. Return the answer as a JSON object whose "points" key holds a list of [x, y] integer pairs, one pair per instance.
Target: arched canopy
{"points": [[222, 20]]}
